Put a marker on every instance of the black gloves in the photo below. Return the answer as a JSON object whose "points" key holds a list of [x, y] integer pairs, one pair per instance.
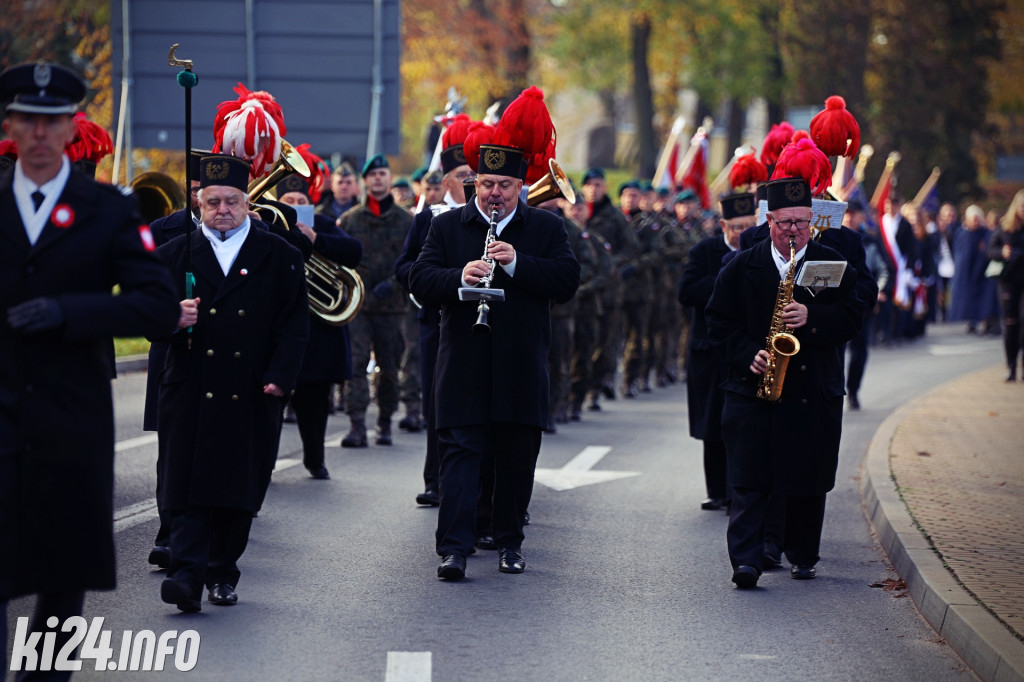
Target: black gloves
{"points": [[383, 290], [38, 315]]}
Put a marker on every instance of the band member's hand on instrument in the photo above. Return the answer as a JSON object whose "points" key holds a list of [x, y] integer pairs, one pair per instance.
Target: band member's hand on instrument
{"points": [[794, 315], [189, 313], [272, 389], [308, 231], [760, 363], [501, 252], [37, 315], [473, 271]]}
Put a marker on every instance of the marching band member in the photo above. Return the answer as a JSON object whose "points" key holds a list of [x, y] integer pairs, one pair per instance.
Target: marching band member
{"points": [[491, 390], [221, 400]]}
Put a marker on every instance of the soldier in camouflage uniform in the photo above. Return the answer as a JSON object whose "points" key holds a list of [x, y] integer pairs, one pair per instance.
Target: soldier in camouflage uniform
{"points": [[380, 225], [686, 228], [604, 219], [638, 291]]}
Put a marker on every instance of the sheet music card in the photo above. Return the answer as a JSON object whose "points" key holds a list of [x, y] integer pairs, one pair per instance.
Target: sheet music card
{"points": [[818, 275]]}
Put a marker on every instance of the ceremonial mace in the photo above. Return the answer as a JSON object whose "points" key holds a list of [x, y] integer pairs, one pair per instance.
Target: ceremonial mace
{"points": [[187, 80]]}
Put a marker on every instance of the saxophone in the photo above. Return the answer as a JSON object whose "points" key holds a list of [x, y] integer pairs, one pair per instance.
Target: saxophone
{"points": [[781, 345]]}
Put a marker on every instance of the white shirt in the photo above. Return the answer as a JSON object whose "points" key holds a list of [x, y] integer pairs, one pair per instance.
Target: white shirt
{"points": [[226, 250], [34, 220], [782, 262]]}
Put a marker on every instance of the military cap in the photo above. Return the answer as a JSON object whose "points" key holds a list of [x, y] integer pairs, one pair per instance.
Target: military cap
{"points": [[663, 192], [433, 178], [41, 88], [291, 183], [374, 162], [738, 205], [686, 195], [500, 160], [452, 157], [401, 182], [646, 186], [224, 170], [418, 174], [629, 184], [788, 193], [593, 174]]}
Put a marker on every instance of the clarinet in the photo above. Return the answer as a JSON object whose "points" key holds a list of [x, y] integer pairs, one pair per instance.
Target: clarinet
{"points": [[483, 308]]}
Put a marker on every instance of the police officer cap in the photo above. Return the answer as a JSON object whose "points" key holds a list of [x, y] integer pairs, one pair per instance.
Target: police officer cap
{"points": [[686, 195], [375, 162], [224, 170], [593, 174], [41, 88], [788, 193]]}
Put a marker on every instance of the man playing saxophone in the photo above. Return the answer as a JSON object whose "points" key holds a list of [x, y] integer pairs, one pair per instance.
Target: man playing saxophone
{"points": [[789, 446]]}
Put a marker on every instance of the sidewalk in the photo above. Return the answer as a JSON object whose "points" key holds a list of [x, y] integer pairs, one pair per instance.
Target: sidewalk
{"points": [[944, 488]]}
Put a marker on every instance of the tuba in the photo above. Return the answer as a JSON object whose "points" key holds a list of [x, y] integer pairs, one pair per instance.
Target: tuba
{"points": [[159, 195], [336, 293], [553, 185]]}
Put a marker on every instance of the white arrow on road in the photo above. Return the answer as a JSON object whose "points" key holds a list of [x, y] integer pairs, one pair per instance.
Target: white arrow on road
{"points": [[577, 471]]}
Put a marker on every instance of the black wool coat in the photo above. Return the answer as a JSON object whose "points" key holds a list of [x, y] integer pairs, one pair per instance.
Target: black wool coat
{"points": [[704, 367], [791, 446], [501, 376], [218, 431], [55, 397]]}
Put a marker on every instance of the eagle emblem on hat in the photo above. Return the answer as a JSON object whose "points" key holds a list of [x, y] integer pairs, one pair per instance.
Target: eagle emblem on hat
{"points": [[494, 159], [795, 191], [41, 75], [459, 154], [216, 170], [744, 206]]}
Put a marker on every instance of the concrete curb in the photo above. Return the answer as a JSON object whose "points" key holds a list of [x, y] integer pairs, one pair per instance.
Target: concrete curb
{"points": [[132, 363], [985, 644]]}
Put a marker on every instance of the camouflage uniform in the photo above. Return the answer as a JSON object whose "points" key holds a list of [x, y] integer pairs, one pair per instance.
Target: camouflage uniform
{"points": [[637, 304], [677, 332], [606, 220], [378, 326], [595, 272]]}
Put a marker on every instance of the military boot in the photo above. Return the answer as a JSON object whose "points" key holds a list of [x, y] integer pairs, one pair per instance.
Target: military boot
{"points": [[384, 431], [356, 437]]}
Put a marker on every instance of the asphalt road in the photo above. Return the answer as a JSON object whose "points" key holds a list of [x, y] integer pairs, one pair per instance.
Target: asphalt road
{"points": [[626, 578]]}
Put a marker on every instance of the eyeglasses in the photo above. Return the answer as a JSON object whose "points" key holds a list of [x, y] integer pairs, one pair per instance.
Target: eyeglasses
{"points": [[789, 224], [465, 175]]}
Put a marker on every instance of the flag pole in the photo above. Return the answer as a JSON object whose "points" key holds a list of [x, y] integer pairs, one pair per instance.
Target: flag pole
{"points": [[890, 165], [666, 153], [928, 186]]}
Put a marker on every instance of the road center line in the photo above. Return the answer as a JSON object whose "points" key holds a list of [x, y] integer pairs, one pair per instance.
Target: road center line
{"points": [[408, 666]]}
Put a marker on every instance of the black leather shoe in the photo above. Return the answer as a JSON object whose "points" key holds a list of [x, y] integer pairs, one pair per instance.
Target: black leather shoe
{"points": [[384, 432], [745, 577], [178, 593], [485, 542], [1011, 376], [801, 572], [160, 556], [429, 498], [320, 473], [223, 595], [853, 402], [453, 567], [594, 407], [574, 415], [629, 391], [608, 390], [713, 504], [772, 557], [511, 561]]}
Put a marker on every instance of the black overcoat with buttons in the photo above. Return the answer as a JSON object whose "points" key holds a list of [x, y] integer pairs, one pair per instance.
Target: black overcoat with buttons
{"points": [[789, 447], [501, 376], [218, 431], [56, 408]]}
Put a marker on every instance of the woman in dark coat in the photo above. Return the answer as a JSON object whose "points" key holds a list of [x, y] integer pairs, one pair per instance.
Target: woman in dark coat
{"points": [[970, 255]]}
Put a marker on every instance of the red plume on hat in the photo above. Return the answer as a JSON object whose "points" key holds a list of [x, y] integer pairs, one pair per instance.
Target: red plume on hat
{"points": [[251, 128], [778, 137], [538, 168], [319, 173], [835, 130], [9, 148], [479, 133], [90, 143], [799, 135], [747, 169], [526, 125], [456, 130], [803, 159]]}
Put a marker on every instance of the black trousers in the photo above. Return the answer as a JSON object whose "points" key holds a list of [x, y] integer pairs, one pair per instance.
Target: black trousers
{"points": [[311, 402], [206, 543], [429, 335], [515, 448], [714, 469], [805, 515]]}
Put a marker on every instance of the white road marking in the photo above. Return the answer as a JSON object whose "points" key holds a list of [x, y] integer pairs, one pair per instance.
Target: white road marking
{"points": [[408, 666], [138, 442], [757, 657], [964, 349], [577, 471]]}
